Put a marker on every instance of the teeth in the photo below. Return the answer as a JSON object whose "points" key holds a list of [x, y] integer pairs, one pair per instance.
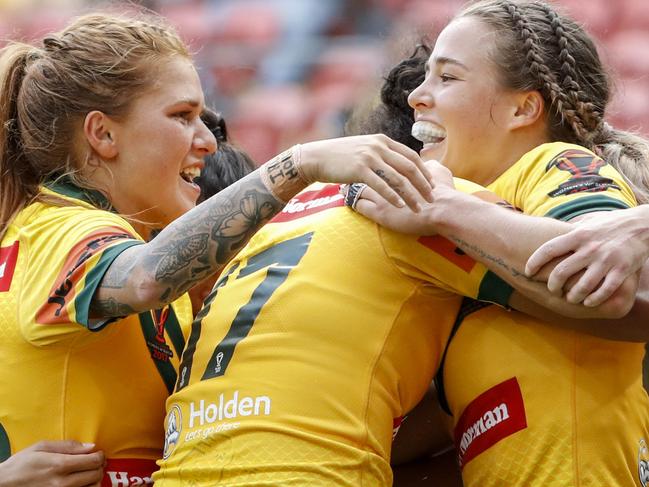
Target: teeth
{"points": [[427, 132], [191, 173]]}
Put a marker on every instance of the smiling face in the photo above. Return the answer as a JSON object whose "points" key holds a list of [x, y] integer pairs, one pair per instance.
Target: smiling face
{"points": [[160, 145], [461, 109]]}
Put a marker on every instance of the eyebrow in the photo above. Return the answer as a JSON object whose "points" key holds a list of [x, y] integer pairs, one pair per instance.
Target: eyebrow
{"points": [[188, 101], [446, 60]]}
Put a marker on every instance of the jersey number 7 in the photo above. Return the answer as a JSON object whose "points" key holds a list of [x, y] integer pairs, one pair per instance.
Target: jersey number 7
{"points": [[279, 260]]}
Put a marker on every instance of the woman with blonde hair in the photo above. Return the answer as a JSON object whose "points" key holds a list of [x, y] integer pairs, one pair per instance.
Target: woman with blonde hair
{"points": [[100, 139]]}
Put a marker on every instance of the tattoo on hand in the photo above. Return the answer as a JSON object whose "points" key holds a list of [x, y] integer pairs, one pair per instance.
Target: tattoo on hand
{"points": [[381, 173]]}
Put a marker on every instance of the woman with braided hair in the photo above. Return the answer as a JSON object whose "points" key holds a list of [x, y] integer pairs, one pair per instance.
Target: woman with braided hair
{"points": [[101, 137], [514, 99]]}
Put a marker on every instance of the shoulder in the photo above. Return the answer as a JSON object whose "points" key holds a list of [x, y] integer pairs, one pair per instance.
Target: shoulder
{"points": [[69, 219]]}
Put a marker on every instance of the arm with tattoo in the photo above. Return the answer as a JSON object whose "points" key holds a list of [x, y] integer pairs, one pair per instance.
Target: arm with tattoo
{"points": [[193, 247], [202, 241]]}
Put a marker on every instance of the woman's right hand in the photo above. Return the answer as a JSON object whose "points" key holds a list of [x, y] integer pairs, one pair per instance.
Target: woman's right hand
{"points": [[393, 170], [54, 463], [600, 252]]}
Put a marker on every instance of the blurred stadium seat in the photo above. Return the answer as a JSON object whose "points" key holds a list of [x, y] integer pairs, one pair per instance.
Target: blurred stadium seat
{"points": [[628, 52], [265, 121], [251, 53], [630, 105], [600, 17]]}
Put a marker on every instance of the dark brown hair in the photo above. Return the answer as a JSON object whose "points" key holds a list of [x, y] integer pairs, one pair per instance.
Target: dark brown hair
{"points": [[538, 48]]}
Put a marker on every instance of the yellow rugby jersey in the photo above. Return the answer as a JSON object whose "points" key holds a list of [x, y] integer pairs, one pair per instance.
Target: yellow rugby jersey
{"points": [[535, 405], [64, 375], [317, 338], [563, 181]]}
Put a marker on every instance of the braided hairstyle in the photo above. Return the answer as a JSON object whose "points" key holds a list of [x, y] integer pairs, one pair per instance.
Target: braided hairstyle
{"points": [[99, 62], [538, 48]]}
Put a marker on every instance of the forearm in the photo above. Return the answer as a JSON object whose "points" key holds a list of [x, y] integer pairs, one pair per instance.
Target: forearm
{"points": [[503, 240], [500, 238], [196, 245], [630, 328]]}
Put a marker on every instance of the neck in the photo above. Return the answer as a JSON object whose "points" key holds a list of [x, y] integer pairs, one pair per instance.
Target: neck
{"points": [[139, 220], [510, 151]]}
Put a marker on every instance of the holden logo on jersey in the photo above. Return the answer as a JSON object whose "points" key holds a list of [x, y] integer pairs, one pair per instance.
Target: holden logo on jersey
{"points": [[643, 463], [174, 426], [584, 170], [8, 258], [235, 407], [492, 416]]}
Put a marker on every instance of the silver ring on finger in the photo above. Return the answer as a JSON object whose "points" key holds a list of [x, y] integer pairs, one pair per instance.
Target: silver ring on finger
{"points": [[354, 192]]}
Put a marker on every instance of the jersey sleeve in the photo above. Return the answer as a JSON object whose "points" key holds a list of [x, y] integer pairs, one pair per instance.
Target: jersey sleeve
{"points": [[563, 181], [440, 262], [70, 249]]}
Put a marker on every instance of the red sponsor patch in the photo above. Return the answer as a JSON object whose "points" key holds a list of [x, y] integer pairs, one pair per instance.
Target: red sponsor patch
{"points": [[449, 251], [8, 258], [124, 472], [491, 417], [55, 310], [311, 202]]}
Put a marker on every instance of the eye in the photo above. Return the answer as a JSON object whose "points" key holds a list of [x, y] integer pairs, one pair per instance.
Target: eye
{"points": [[445, 77], [185, 116]]}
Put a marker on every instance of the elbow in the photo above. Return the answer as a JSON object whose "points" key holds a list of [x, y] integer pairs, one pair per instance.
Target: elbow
{"points": [[149, 297], [146, 293]]}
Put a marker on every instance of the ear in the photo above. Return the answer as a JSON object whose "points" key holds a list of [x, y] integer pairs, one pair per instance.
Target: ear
{"points": [[528, 109], [98, 130]]}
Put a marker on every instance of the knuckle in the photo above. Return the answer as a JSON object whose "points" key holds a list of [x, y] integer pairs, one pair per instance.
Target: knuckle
{"points": [[382, 138], [98, 459], [561, 272]]}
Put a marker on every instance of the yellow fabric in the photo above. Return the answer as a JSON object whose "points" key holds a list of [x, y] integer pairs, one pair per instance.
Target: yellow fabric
{"points": [[324, 361], [529, 184], [59, 379], [587, 415]]}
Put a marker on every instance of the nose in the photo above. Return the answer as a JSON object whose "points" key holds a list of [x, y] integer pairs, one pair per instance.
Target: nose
{"points": [[421, 97], [204, 140]]}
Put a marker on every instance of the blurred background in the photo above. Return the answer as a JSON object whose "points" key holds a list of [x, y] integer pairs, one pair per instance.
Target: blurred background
{"points": [[287, 71]]}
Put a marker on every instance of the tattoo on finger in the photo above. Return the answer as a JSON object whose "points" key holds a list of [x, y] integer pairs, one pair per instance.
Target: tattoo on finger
{"points": [[381, 173]]}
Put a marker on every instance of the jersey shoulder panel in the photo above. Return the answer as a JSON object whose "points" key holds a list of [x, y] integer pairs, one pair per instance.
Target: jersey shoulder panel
{"points": [[563, 181], [67, 251]]}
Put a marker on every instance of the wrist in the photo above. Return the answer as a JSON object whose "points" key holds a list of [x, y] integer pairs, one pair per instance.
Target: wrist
{"points": [[282, 175], [308, 160], [448, 204], [641, 222]]}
